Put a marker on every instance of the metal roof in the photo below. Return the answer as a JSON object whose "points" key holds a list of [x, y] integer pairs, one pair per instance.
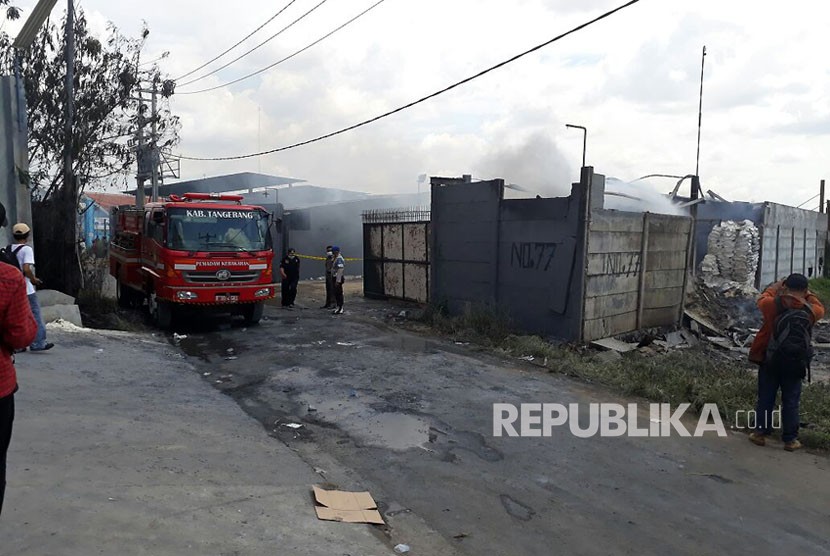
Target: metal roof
{"points": [[221, 184]]}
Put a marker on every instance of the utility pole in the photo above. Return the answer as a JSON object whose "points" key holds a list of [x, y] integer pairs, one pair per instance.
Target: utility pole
{"points": [[148, 155], [821, 197], [259, 138], [69, 33], [700, 113], [154, 153], [139, 176]]}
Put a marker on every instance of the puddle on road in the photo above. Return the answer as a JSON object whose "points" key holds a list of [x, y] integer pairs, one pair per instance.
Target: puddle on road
{"points": [[397, 431], [355, 416], [208, 349], [409, 344], [516, 509]]}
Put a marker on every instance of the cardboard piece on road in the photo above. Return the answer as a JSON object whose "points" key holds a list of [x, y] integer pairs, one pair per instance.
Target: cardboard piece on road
{"points": [[349, 507]]}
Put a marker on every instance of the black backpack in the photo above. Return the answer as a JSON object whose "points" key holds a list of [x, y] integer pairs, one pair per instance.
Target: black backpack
{"points": [[791, 345], [8, 255]]}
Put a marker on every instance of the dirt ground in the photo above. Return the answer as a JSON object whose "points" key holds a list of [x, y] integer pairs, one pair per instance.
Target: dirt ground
{"points": [[410, 418]]}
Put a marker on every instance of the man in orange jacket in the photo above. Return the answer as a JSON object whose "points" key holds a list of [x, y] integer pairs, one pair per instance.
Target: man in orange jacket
{"points": [[792, 293], [17, 330]]}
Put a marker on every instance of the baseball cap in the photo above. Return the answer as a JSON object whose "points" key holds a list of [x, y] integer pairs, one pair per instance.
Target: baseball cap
{"points": [[21, 229], [335, 248]]}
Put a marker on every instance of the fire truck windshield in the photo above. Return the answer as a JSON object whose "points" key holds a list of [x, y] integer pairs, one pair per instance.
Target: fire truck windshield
{"points": [[213, 229]]}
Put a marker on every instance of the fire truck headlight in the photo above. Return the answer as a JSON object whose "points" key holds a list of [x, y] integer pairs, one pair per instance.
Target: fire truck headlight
{"points": [[264, 292], [187, 295]]}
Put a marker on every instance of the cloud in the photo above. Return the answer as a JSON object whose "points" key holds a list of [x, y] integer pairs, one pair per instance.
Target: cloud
{"points": [[816, 126], [632, 80]]}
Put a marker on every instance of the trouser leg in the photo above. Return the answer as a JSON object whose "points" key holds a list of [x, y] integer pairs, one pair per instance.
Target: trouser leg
{"points": [[790, 399], [329, 290], [40, 338], [767, 389], [338, 293], [292, 292], [6, 421]]}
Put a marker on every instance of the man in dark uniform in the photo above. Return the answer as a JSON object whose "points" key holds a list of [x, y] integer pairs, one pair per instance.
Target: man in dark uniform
{"points": [[329, 279], [290, 273]]}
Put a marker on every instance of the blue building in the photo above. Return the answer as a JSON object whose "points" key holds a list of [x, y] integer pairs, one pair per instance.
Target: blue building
{"points": [[94, 218]]}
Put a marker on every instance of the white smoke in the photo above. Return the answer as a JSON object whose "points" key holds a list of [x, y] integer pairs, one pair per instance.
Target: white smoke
{"points": [[638, 197], [535, 165]]}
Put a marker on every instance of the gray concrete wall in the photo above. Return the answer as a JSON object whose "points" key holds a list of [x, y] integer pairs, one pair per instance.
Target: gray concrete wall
{"points": [[551, 265], [14, 161], [538, 273], [635, 271], [465, 232], [792, 240], [519, 256]]}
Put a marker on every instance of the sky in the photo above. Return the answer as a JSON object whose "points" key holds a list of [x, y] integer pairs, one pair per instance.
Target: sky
{"points": [[632, 80]]}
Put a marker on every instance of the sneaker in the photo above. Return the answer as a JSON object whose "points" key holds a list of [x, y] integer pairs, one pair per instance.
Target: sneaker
{"points": [[49, 345], [21, 350], [792, 446], [757, 438], [340, 310], [326, 307]]}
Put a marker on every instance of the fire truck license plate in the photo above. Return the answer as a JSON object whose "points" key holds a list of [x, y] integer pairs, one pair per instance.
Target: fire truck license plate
{"points": [[223, 298]]}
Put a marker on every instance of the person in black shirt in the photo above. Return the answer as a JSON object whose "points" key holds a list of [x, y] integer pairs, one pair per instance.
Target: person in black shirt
{"points": [[330, 302], [290, 273]]}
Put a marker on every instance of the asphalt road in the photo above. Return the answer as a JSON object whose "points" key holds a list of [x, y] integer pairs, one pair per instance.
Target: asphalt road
{"points": [[119, 448], [410, 418]]}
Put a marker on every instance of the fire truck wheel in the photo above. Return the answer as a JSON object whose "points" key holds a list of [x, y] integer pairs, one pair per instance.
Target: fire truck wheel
{"points": [[253, 313], [162, 314]]}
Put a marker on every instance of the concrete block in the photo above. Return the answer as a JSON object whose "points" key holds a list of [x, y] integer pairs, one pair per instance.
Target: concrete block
{"points": [[48, 298], [69, 313]]}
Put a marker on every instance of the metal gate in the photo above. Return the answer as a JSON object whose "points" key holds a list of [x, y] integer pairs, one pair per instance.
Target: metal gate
{"points": [[396, 254]]}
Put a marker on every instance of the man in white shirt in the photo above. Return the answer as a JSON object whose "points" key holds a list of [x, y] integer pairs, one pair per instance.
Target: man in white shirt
{"points": [[26, 258]]}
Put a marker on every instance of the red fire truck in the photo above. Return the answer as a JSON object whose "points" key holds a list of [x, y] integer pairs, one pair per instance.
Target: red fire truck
{"points": [[201, 251]]}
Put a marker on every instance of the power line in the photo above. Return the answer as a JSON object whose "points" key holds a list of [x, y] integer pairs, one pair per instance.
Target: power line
{"points": [[260, 45], [248, 36], [278, 62], [423, 99]]}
